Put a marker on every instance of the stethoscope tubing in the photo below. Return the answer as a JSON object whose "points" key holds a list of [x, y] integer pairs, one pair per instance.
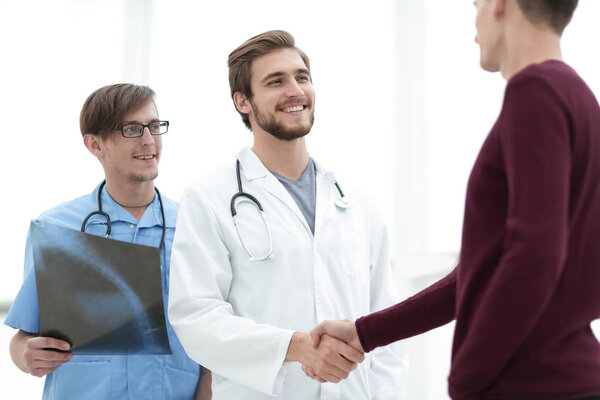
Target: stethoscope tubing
{"points": [[342, 202], [107, 217]]}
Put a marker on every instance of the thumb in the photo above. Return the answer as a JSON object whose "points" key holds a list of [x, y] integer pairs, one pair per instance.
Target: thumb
{"points": [[316, 333]]}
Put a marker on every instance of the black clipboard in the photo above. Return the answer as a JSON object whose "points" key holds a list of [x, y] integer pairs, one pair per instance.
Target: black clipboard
{"points": [[103, 296]]}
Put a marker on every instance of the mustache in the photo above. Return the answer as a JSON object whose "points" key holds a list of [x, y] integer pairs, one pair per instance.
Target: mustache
{"points": [[297, 100]]}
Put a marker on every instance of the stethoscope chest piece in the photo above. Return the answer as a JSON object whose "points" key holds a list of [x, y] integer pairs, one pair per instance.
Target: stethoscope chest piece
{"points": [[344, 203]]}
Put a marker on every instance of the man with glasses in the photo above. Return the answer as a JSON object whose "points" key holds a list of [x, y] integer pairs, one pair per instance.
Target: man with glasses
{"points": [[120, 127]]}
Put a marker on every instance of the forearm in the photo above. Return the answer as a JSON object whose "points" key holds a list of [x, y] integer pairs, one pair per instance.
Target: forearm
{"points": [[234, 347], [428, 309]]}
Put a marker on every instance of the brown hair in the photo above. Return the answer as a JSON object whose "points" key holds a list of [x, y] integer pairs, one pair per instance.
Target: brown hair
{"points": [[556, 13], [240, 60], [106, 107]]}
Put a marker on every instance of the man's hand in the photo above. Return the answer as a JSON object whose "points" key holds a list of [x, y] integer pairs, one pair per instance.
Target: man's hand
{"points": [[38, 355], [204, 388], [344, 330], [332, 360]]}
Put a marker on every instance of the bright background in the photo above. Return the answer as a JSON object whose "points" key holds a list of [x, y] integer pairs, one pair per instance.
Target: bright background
{"points": [[402, 108]]}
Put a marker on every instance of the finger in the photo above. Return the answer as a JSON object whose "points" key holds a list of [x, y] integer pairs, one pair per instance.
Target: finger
{"points": [[344, 365], [309, 374], [330, 355], [333, 377], [44, 342], [48, 355], [349, 352], [333, 364], [39, 372], [347, 355], [309, 371]]}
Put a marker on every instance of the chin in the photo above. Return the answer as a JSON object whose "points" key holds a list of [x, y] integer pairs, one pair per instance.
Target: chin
{"points": [[488, 66], [143, 178]]}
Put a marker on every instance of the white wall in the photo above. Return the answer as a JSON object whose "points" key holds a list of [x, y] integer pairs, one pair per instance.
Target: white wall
{"points": [[68, 48]]}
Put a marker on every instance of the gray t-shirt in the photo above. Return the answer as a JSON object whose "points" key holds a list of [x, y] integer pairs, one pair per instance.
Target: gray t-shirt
{"points": [[304, 192]]}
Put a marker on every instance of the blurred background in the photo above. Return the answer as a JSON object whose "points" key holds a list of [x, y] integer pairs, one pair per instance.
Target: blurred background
{"points": [[402, 109]]}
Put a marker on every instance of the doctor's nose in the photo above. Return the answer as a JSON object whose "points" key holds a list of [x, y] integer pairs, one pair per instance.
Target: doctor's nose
{"points": [[295, 90], [146, 137]]}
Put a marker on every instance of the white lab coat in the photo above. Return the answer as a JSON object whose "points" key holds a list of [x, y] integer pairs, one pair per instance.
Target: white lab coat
{"points": [[237, 317]]}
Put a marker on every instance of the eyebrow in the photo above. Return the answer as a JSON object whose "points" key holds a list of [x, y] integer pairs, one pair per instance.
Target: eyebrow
{"points": [[280, 73], [138, 122]]}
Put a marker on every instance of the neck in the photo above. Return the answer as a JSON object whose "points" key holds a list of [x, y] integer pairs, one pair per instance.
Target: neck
{"points": [[286, 158], [540, 44], [133, 197]]}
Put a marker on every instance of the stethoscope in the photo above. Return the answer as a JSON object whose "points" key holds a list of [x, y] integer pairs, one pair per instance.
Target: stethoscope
{"points": [[341, 202], [105, 215]]}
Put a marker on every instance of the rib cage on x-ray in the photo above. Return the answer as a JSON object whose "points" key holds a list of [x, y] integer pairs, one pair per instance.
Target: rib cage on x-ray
{"points": [[104, 296]]}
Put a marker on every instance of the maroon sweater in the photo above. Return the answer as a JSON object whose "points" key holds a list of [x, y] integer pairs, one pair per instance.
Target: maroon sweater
{"points": [[527, 284]]}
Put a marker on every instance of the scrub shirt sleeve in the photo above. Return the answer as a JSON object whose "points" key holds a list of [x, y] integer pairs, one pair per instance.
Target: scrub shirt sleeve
{"points": [[24, 311], [389, 365], [237, 348]]}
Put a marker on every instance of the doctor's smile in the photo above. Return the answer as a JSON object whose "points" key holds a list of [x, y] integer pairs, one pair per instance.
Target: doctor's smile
{"points": [[145, 157], [293, 108]]}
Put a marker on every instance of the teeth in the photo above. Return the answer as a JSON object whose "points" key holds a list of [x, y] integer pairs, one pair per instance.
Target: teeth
{"points": [[293, 109], [144, 157]]}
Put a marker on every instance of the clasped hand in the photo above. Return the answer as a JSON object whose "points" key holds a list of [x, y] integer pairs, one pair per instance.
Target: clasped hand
{"points": [[331, 359], [344, 331]]}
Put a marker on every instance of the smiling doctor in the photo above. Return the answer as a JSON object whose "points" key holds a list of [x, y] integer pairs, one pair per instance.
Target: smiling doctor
{"points": [[245, 289]]}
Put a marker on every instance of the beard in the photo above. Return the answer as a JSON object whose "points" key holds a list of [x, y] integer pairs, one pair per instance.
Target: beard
{"points": [[268, 123], [143, 178]]}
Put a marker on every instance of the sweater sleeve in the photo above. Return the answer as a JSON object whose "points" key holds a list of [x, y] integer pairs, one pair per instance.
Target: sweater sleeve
{"points": [[533, 132], [428, 309]]}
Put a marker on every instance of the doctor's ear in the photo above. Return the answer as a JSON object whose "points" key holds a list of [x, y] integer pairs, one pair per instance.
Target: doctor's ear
{"points": [[93, 143], [498, 8], [241, 103]]}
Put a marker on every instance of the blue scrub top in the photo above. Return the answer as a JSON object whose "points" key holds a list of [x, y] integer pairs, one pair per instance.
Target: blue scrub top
{"points": [[173, 376]]}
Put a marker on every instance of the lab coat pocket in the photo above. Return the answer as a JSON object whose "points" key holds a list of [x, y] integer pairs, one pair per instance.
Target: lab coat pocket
{"points": [[355, 253], [75, 378]]}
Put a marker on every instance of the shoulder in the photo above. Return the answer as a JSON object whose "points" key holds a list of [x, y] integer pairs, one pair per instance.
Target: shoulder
{"points": [[540, 93], [70, 214], [553, 79], [216, 184], [531, 81]]}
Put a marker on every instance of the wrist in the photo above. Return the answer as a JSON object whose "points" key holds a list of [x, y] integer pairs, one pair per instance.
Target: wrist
{"points": [[299, 343], [17, 350]]}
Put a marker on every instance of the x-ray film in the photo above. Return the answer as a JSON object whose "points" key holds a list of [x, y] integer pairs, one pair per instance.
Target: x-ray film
{"points": [[103, 296]]}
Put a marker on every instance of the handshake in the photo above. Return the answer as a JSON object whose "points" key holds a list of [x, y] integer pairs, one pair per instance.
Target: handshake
{"points": [[329, 352]]}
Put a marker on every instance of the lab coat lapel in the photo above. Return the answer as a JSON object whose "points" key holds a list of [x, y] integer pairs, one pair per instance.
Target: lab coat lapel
{"points": [[324, 202], [254, 170]]}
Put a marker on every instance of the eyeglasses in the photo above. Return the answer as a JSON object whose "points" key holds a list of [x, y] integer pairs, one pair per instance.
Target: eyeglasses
{"points": [[137, 130]]}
